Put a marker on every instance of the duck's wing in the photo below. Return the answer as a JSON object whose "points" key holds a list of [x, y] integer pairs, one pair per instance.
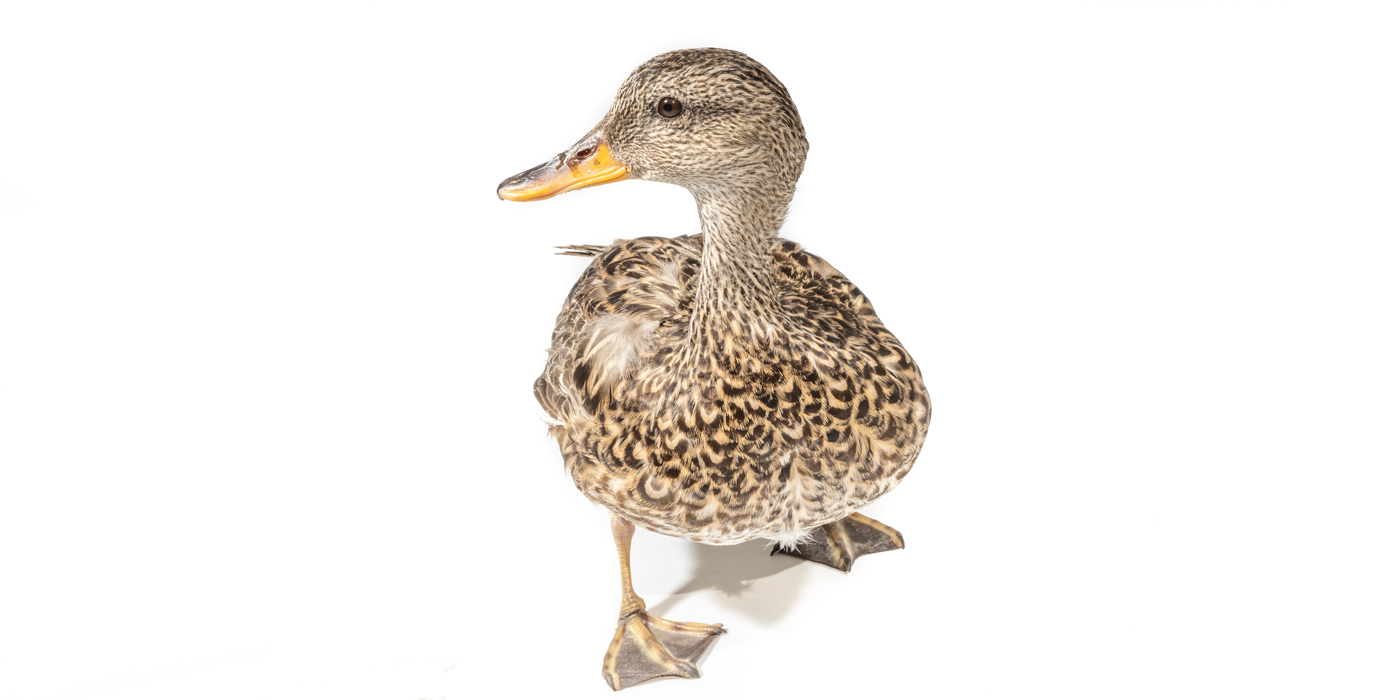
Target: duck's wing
{"points": [[832, 307], [867, 381], [634, 295]]}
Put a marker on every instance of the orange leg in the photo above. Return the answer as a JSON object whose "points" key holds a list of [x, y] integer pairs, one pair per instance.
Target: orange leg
{"points": [[646, 646]]}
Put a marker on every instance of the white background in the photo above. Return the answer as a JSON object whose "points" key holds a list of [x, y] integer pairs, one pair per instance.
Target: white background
{"points": [[266, 425]]}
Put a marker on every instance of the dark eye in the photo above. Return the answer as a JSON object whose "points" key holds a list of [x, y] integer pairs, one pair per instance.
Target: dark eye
{"points": [[669, 107]]}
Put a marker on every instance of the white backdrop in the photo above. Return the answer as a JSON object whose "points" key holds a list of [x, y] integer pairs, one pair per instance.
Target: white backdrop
{"points": [[266, 423]]}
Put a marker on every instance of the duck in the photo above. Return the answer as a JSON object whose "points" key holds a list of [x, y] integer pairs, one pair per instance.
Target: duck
{"points": [[724, 386]]}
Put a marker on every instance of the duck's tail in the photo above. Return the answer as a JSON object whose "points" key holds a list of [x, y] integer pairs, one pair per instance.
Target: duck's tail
{"points": [[583, 251]]}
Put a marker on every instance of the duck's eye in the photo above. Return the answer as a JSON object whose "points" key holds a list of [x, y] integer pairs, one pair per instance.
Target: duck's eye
{"points": [[669, 107]]}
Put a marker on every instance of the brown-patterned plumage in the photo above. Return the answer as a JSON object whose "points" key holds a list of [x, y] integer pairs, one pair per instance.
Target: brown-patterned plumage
{"points": [[728, 385], [725, 431]]}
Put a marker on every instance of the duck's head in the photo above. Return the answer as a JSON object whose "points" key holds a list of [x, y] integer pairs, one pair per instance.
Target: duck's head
{"points": [[711, 120]]}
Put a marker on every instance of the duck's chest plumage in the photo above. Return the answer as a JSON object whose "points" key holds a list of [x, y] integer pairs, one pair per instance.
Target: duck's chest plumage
{"points": [[752, 428]]}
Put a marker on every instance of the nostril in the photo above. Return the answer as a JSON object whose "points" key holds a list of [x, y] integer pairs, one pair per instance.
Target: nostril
{"points": [[584, 153]]}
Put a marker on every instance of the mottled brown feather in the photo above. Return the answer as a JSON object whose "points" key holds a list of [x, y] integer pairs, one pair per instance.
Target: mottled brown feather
{"points": [[818, 423]]}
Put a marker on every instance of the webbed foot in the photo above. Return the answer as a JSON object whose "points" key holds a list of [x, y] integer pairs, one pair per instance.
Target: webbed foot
{"points": [[647, 647], [841, 543]]}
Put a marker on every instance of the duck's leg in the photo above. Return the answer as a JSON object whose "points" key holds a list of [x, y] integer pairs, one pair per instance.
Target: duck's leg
{"points": [[645, 645], [841, 543]]}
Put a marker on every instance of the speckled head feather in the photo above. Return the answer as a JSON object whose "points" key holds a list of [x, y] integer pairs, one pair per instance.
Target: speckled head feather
{"points": [[739, 132]]}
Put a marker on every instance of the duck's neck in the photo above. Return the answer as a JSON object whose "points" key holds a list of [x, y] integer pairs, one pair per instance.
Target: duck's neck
{"points": [[736, 312]]}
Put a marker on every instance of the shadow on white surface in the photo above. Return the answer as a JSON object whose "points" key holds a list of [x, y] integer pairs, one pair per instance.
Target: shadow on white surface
{"points": [[735, 572]]}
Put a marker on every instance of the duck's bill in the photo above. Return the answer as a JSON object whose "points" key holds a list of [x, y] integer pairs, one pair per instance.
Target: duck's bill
{"points": [[587, 164]]}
